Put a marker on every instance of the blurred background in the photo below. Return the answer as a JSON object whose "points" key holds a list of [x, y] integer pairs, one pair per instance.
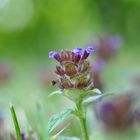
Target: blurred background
{"points": [[29, 29]]}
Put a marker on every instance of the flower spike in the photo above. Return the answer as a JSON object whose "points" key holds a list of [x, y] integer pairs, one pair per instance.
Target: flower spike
{"points": [[74, 70]]}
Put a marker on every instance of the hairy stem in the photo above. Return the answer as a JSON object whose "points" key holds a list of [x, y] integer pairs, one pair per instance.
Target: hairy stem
{"points": [[82, 117]]}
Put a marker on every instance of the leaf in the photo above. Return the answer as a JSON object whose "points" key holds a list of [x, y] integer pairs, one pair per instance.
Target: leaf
{"points": [[73, 94], [96, 90], [95, 98], [56, 120], [59, 92], [67, 138], [56, 135], [91, 93], [17, 128]]}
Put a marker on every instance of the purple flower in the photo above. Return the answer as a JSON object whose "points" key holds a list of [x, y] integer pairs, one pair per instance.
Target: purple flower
{"points": [[107, 47], [52, 54], [87, 52], [55, 55], [74, 69], [116, 113], [78, 51], [90, 49]]}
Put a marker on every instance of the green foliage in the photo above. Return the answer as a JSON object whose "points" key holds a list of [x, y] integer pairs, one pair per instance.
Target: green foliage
{"points": [[57, 92], [57, 119], [95, 98]]}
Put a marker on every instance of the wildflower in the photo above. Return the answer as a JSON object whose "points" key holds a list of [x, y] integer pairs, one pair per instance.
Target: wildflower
{"points": [[116, 114], [107, 47], [55, 55], [74, 69]]}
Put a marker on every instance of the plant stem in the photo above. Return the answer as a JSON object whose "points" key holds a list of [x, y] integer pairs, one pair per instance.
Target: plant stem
{"points": [[84, 128], [82, 117]]}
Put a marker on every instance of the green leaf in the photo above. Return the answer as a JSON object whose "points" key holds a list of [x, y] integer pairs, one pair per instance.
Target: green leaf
{"points": [[73, 94], [67, 138], [57, 119], [58, 92], [93, 92], [15, 122], [95, 98], [56, 135], [96, 90]]}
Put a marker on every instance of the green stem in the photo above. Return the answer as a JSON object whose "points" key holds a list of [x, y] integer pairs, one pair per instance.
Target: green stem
{"points": [[84, 128], [82, 117]]}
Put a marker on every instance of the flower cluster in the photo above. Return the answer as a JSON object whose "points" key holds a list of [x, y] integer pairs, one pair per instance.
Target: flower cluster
{"points": [[118, 113], [107, 47], [74, 69]]}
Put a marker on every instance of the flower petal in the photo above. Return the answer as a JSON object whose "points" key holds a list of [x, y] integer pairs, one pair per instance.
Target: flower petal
{"points": [[90, 49], [55, 55], [78, 51]]}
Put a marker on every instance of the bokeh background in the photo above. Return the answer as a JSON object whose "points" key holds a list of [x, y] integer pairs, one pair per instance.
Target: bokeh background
{"points": [[29, 29]]}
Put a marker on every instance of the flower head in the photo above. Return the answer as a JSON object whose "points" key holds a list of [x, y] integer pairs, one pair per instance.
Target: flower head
{"points": [[73, 70], [107, 47], [117, 113]]}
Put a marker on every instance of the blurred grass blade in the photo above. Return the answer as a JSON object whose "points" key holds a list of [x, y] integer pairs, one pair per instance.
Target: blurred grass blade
{"points": [[56, 135], [67, 138], [17, 128], [41, 118]]}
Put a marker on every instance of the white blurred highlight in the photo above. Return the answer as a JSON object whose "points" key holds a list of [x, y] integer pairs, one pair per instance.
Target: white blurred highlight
{"points": [[3, 3], [15, 14]]}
